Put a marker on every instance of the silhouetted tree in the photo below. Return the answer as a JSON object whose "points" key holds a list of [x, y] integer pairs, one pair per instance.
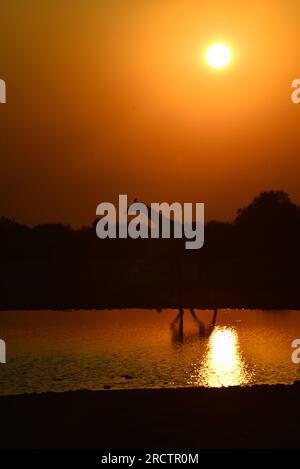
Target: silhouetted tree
{"points": [[252, 262]]}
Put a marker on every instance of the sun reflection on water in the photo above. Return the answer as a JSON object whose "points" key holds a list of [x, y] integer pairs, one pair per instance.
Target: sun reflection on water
{"points": [[222, 364]]}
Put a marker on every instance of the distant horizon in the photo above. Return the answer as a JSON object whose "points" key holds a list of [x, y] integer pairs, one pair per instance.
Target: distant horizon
{"points": [[92, 221]]}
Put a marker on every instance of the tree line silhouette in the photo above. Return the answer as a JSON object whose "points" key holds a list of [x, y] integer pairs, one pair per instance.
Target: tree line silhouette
{"points": [[252, 262]]}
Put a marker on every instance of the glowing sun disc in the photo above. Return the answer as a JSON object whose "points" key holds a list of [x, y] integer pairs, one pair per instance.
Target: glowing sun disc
{"points": [[218, 56]]}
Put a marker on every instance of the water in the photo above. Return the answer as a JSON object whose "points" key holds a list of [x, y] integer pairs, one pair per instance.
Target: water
{"points": [[69, 350]]}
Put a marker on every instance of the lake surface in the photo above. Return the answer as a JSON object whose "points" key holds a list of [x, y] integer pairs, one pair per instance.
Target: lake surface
{"points": [[69, 350]]}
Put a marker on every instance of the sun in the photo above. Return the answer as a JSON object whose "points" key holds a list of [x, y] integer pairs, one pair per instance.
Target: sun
{"points": [[218, 56]]}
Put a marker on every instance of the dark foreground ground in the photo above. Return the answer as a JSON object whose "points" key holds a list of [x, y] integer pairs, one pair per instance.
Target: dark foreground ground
{"points": [[256, 417]]}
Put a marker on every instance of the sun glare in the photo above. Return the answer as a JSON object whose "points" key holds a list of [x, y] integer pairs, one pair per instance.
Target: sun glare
{"points": [[218, 56]]}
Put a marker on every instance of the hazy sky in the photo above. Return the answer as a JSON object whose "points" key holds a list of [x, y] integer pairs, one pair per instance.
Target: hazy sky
{"points": [[114, 96]]}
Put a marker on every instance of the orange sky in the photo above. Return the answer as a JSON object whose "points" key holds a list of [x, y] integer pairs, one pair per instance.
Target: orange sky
{"points": [[114, 96]]}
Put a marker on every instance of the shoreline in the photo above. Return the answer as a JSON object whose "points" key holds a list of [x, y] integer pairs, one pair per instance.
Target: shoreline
{"points": [[157, 308], [260, 416]]}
